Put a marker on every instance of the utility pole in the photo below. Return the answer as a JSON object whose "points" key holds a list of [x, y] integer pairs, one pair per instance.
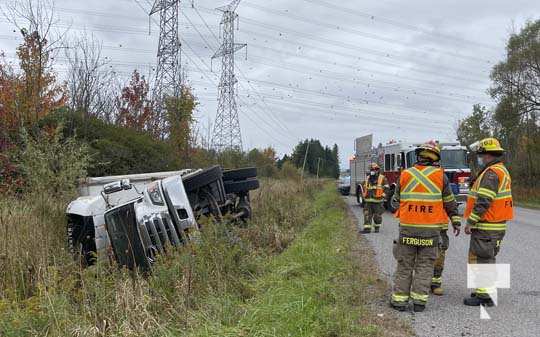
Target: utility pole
{"points": [[168, 78], [305, 159], [227, 134], [318, 166]]}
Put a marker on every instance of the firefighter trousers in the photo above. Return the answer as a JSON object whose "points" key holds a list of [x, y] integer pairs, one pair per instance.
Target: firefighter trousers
{"points": [[444, 241], [412, 279], [483, 249], [373, 214]]}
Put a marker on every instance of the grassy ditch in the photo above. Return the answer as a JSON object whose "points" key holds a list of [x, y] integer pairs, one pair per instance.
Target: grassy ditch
{"points": [[526, 197], [292, 271]]}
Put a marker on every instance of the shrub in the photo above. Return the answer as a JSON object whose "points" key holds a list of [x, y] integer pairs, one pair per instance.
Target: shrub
{"points": [[51, 165]]}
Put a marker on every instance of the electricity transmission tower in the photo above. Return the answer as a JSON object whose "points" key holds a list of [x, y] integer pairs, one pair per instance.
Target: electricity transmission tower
{"points": [[168, 75], [227, 133]]}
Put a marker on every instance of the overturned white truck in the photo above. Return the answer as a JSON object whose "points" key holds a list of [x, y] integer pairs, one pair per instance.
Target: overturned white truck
{"points": [[132, 218]]}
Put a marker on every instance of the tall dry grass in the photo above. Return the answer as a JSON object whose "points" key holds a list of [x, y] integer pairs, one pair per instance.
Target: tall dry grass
{"points": [[43, 292]]}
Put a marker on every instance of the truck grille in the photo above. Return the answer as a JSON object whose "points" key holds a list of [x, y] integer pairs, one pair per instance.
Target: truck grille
{"points": [[161, 232]]}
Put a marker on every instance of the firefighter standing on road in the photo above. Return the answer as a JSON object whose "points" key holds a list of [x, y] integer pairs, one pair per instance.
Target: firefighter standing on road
{"points": [[426, 202], [374, 192], [489, 207], [444, 242]]}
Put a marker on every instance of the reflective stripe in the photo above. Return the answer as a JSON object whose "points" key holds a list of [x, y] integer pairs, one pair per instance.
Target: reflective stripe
{"points": [[419, 196], [436, 280], [434, 226], [456, 218], [449, 198], [487, 193], [373, 200], [474, 217], [503, 195], [486, 226], [419, 297], [399, 297], [424, 180]]}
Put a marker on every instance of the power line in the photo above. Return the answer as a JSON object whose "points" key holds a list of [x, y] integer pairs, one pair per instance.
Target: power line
{"points": [[358, 32], [399, 24]]}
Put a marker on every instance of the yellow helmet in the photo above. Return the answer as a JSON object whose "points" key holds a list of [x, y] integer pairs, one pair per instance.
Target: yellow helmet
{"points": [[429, 150], [489, 145], [374, 166]]}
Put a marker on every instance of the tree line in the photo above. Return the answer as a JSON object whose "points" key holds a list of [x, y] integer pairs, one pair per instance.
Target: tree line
{"points": [[113, 122], [514, 119]]}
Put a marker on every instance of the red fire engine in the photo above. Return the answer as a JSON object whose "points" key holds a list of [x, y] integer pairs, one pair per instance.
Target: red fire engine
{"points": [[395, 156]]}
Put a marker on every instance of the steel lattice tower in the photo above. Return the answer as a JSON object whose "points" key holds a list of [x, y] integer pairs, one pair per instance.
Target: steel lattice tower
{"points": [[168, 74], [227, 134]]}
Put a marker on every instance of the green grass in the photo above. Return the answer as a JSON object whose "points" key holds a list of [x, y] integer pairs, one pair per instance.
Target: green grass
{"points": [[526, 197], [292, 271], [310, 289]]}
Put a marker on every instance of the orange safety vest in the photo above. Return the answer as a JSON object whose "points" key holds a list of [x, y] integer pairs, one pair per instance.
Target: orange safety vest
{"points": [[501, 208], [379, 189], [421, 202]]}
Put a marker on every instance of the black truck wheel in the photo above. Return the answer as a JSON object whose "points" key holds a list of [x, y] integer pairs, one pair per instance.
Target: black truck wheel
{"points": [[241, 186], [203, 178], [240, 174]]}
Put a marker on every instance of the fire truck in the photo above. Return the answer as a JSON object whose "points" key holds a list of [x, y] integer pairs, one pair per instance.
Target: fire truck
{"points": [[395, 156]]}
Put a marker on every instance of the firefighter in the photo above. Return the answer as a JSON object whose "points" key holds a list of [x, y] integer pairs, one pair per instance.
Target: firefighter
{"points": [[374, 192], [489, 207], [425, 204], [444, 242]]}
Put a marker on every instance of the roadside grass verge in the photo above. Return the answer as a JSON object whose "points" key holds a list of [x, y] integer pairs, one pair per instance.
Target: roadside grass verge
{"points": [[526, 197], [43, 292], [295, 270]]}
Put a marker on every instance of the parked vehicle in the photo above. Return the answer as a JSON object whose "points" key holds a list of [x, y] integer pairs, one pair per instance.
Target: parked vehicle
{"points": [[395, 156], [344, 184], [132, 218]]}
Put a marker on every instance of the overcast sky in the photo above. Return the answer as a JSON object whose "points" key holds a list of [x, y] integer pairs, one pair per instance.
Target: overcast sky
{"points": [[332, 70]]}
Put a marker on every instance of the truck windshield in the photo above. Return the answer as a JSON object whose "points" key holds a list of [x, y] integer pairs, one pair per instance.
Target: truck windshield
{"points": [[453, 159]]}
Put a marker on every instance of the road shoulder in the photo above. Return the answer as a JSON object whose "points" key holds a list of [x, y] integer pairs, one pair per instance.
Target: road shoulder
{"points": [[373, 288]]}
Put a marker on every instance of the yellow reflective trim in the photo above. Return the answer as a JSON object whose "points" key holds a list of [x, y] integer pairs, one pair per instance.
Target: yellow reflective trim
{"points": [[486, 226], [422, 196], [474, 217], [424, 180], [487, 193], [456, 218], [436, 280], [449, 198], [419, 297], [399, 297], [373, 200], [434, 226]]}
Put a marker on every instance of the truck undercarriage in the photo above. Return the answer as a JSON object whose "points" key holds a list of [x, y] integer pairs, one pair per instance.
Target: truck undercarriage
{"points": [[132, 222]]}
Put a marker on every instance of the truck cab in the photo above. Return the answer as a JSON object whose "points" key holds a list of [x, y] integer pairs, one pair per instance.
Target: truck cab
{"points": [[131, 218]]}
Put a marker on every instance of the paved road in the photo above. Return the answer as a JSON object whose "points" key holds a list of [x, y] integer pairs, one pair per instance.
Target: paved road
{"points": [[518, 312]]}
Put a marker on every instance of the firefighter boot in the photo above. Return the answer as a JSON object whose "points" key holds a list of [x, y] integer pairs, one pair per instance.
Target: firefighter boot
{"points": [[399, 307], [437, 290], [475, 301], [419, 307]]}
